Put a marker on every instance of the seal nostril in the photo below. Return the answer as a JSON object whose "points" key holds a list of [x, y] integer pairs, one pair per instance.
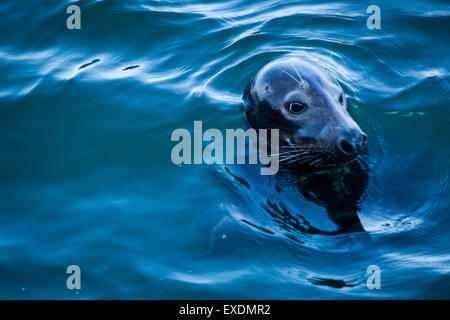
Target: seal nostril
{"points": [[364, 138], [346, 147], [363, 144]]}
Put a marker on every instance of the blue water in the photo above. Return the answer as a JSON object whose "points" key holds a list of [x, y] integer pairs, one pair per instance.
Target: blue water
{"points": [[87, 179]]}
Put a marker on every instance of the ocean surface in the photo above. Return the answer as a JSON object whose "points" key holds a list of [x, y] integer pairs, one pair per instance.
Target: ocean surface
{"points": [[86, 176]]}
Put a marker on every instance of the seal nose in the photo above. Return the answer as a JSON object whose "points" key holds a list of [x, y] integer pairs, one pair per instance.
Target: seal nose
{"points": [[351, 142]]}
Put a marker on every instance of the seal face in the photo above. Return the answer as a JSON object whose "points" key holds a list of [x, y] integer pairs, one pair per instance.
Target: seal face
{"points": [[308, 107]]}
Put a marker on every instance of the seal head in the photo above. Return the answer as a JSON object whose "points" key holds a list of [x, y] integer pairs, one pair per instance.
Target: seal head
{"points": [[308, 107]]}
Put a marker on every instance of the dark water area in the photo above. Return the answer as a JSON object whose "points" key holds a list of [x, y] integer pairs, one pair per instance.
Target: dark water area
{"points": [[86, 118]]}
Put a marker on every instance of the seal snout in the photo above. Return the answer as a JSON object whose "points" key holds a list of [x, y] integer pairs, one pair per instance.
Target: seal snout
{"points": [[350, 142]]}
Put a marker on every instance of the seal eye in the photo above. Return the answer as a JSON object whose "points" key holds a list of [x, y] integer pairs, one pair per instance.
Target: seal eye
{"points": [[297, 107], [341, 99]]}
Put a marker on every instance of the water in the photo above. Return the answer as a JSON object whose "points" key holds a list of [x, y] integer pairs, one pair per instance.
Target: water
{"points": [[86, 177]]}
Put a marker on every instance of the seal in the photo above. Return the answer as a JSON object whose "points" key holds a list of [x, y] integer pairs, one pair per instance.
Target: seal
{"points": [[309, 108], [318, 140]]}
